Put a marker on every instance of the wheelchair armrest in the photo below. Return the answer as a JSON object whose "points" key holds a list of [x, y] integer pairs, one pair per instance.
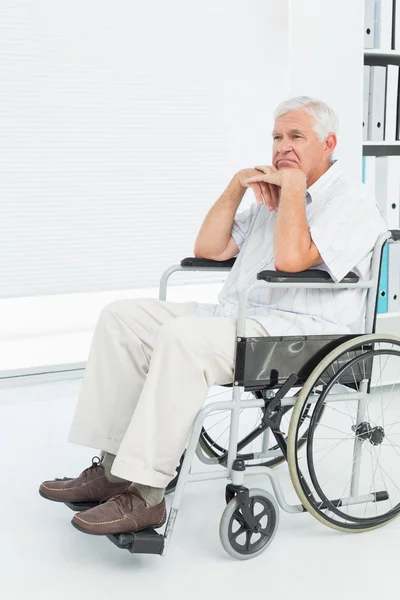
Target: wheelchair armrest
{"points": [[308, 276], [191, 261]]}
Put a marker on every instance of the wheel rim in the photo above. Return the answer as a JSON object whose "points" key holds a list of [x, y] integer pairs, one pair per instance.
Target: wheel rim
{"points": [[347, 431]]}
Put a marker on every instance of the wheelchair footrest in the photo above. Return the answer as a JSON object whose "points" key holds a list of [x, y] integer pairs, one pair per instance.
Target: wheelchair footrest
{"points": [[147, 541]]}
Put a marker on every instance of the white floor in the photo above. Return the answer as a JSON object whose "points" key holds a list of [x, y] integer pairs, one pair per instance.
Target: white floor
{"points": [[43, 557]]}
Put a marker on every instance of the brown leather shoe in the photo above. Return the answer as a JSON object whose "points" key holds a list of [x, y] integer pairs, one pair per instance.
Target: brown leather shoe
{"points": [[90, 486], [125, 512]]}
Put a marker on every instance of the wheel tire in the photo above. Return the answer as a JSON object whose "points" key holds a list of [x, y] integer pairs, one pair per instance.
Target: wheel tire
{"points": [[292, 434], [227, 519]]}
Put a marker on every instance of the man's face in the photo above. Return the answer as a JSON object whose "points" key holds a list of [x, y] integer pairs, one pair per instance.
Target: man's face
{"points": [[296, 145]]}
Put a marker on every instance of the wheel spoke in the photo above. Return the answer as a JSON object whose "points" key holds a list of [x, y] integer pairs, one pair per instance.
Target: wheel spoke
{"points": [[241, 530], [332, 428], [209, 427], [393, 446], [349, 436], [248, 539], [262, 514], [264, 533], [383, 479], [353, 420]]}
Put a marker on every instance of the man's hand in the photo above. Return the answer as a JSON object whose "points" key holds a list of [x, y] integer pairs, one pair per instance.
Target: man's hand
{"points": [[265, 193], [273, 176]]}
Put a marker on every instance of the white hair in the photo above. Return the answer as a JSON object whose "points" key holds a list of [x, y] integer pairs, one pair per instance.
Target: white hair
{"points": [[326, 121]]}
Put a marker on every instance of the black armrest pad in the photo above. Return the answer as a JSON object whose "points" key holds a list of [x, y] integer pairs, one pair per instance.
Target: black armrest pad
{"points": [[309, 276], [191, 261], [395, 234]]}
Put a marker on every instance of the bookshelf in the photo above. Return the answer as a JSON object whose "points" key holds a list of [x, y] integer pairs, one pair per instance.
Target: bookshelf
{"points": [[374, 57], [387, 322], [380, 148]]}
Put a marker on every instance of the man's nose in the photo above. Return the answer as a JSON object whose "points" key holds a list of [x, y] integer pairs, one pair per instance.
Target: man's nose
{"points": [[284, 147]]}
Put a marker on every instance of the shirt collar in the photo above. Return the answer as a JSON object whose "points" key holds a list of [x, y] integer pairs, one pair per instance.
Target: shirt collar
{"points": [[331, 175]]}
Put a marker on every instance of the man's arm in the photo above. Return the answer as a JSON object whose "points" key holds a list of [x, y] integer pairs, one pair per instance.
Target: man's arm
{"points": [[294, 249], [215, 240]]}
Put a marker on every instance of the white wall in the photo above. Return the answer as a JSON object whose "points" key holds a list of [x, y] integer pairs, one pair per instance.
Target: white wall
{"points": [[75, 75], [325, 60], [121, 124]]}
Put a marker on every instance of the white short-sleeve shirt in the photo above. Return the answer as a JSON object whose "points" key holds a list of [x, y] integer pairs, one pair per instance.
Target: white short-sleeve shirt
{"points": [[344, 224]]}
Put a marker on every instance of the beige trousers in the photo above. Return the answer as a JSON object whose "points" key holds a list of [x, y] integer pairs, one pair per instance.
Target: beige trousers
{"points": [[150, 367]]}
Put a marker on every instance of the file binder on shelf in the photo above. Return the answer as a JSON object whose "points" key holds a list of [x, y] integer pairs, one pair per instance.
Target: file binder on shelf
{"points": [[397, 27], [368, 178], [391, 104], [384, 24], [366, 101], [398, 104], [377, 103], [369, 24], [394, 278], [383, 282], [387, 186]]}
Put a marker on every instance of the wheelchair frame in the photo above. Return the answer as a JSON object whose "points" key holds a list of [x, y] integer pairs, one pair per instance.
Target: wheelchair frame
{"points": [[148, 541]]}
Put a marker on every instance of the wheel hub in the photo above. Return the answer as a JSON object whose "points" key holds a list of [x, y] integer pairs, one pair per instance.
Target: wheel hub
{"points": [[375, 435]]}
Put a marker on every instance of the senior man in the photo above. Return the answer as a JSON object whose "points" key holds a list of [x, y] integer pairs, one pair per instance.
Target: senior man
{"points": [[152, 362]]}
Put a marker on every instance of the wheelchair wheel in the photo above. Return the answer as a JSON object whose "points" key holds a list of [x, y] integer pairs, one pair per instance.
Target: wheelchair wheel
{"points": [[237, 538], [214, 436], [348, 477]]}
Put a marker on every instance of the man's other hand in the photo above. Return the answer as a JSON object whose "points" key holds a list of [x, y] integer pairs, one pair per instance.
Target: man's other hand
{"points": [[265, 193]]}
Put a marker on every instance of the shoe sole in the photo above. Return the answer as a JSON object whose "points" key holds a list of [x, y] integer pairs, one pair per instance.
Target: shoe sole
{"points": [[77, 505], [119, 533]]}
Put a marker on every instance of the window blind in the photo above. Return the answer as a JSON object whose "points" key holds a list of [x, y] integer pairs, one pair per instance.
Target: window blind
{"points": [[121, 124]]}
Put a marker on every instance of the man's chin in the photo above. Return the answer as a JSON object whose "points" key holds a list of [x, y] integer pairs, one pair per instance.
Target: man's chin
{"points": [[283, 164]]}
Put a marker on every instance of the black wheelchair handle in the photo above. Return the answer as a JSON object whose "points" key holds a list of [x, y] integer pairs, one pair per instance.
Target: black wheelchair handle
{"points": [[395, 235], [308, 276], [191, 261]]}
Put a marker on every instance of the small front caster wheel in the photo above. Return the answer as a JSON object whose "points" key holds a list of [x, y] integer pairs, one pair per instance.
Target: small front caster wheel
{"points": [[237, 537]]}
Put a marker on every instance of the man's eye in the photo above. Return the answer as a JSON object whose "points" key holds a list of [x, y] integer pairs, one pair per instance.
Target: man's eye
{"points": [[296, 136]]}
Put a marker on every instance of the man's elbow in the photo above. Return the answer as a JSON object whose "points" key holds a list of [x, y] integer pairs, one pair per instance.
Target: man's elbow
{"points": [[290, 265], [295, 265], [197, 253], [286, 267], [297, 259], [200, 251]]}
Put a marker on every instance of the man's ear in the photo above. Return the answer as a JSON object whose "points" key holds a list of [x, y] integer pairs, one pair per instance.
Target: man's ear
{"points": [[331, 142]]}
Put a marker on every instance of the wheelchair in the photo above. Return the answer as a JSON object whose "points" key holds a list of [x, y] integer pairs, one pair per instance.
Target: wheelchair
{"points": [[323, 404]]}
